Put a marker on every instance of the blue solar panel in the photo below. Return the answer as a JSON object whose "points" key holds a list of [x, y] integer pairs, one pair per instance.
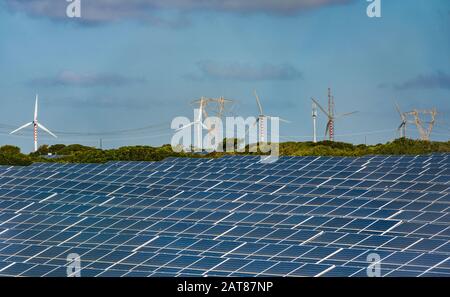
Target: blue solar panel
{"points": [[232, 216]]}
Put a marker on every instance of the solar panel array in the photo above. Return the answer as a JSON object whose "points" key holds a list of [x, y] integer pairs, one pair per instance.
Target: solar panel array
{"points": [[232, 216]]}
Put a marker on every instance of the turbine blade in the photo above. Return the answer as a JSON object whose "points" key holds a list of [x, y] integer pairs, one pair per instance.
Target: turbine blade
{"points": [[205, 114], [259, 103], [184, 127], [327, 127], [402, 115], [320, 106], [36, 108], [46, 130], [345, 114], [280, 119], [398, 109], [200, 109], [24, 126]]}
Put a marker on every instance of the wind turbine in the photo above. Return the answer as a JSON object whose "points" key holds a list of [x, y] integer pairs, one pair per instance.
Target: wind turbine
{"points": [[199, 123], [331, 115], [402, 127], [36, 125], [262, 119], [314, 117]]}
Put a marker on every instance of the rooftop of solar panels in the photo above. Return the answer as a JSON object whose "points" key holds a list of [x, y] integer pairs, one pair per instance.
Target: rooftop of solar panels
{"points": [[233, 216]]}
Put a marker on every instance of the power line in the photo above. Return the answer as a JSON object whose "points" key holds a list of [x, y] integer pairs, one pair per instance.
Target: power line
{"points": [[345, 135], [5, 130]]}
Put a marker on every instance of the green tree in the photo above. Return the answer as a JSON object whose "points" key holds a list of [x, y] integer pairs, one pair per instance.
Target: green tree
{"points": [[56, 148], [10, 150]]}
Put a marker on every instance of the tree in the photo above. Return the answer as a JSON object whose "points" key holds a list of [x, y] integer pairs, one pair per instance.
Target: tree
{"points": [[233, 143], [56, 148], [42, 150], [9, 150], [10, 155]]}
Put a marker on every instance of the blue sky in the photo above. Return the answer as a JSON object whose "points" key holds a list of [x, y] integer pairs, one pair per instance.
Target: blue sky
{"points": [[132, 64]]}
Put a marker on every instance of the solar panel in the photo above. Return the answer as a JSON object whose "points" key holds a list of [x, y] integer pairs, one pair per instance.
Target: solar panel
{"points": [[231, 216]]}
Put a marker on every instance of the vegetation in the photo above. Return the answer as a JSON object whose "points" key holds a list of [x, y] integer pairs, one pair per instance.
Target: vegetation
{"points": [[397, 147], [10, 155], [76, 153]]}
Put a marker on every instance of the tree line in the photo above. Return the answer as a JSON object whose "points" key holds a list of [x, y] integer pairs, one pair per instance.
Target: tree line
{"points": [[76, 153]]}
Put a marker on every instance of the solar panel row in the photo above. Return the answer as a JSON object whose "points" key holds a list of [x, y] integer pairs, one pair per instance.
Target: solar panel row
{"points": [[233, 216]]}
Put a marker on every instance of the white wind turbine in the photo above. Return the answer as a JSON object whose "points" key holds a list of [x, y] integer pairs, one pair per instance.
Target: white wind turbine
{"points": [[36, 125], [199, 124], [262, 119]]}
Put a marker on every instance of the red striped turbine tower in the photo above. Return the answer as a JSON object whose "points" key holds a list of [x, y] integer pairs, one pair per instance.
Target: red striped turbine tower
{"points": [[329, 130]]}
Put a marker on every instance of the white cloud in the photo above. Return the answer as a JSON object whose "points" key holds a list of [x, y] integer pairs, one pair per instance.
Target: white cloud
{"points": [[70, 78], [100, 11], [437, 80]]}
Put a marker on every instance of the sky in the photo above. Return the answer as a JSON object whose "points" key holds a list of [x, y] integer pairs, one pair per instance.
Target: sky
{"points": [[133, 66]]}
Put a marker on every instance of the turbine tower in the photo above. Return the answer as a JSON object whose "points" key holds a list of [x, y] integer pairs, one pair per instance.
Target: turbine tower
{"points": [[330, 125], [329, 130], [36, 125], [314, 117], [262, 120]]}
